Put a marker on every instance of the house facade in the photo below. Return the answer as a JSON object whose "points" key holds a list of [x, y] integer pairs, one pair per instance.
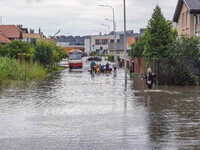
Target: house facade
{"points": [[105, 43], [30, 35], [99, 43], [187, 17], [9, 33]]}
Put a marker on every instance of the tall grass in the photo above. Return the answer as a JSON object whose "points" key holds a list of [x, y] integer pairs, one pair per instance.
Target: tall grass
{"points": [[10, 69]]}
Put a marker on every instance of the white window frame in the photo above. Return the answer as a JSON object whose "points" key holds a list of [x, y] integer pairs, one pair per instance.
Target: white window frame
{"points": [[187, 19], [183, 21]]}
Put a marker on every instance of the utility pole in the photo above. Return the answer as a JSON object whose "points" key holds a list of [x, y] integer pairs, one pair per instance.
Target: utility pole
{"points": [[125, 45], [114, 29], [1, 20]]}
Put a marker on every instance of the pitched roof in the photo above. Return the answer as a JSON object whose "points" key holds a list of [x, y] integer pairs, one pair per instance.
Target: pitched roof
{"points": [[192, 5], [3, 39], [10, 31]]}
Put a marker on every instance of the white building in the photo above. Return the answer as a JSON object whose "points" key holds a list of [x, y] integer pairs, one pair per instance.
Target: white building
{"points": [[99, 43]]}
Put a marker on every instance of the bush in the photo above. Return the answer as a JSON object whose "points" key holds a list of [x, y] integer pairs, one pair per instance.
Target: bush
{"points": [[43, 53], [111, 58], [178, 72], [17, 46], [93, 54], [13, 70]]}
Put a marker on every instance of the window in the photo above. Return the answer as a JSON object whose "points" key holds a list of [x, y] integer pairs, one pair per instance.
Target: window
{"points": [[187, 19], [118, 40], [183, 19], [112, 41], [198, 19], [98, 42], [104, 42]]}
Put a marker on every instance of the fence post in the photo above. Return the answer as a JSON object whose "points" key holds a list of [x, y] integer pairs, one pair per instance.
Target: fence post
{"points": [[19, 57], [169, 72], [157, 71], [199, 70]]}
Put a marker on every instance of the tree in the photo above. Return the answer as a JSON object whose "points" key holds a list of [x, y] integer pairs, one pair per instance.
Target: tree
{"points": [[185, 47], [61, 53], [138, 47], [43, 53], [159, 35], [13, 48]]}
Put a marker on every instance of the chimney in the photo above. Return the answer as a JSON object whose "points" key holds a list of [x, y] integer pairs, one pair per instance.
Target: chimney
{"points": [[39, 31], [19, 26], [31, 31]]}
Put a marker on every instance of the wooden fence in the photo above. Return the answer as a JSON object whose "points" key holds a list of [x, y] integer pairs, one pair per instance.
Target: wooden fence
{"points": [[138, 66]]}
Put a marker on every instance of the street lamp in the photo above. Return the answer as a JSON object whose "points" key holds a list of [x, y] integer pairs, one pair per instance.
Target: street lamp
{"points": [[103, 30], [106, 26], [125, 44], [114, 28], [97, 31]]}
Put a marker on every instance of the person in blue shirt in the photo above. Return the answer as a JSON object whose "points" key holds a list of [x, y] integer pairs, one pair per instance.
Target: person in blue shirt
{"points": [[92, 66]]}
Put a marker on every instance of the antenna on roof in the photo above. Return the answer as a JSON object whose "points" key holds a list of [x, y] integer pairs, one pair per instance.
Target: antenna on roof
{"points": [[1, 20]]}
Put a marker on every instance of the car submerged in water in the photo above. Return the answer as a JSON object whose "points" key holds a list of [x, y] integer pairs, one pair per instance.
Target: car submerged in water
{"points": [[94, 58]]}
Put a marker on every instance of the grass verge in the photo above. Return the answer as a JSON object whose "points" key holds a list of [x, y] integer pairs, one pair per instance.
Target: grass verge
{"points": [[12, 71]]}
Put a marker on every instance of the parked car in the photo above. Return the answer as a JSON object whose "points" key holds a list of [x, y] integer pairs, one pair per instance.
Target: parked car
{"points": [[84, 54], [94, 58]]}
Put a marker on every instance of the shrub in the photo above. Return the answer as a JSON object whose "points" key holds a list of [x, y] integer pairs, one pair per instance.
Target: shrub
{"points": [[13, 70], [43, 53], [111, 58], [93, 54]]}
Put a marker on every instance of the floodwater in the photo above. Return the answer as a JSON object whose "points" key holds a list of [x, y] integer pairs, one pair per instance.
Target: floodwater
{"points": [[72, 110]]}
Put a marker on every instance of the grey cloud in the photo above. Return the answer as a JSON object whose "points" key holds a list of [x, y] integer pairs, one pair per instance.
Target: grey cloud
{"points": [[80, 16]]}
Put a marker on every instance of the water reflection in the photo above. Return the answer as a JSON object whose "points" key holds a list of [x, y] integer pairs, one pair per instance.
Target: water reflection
{"points": [[73, 109]]}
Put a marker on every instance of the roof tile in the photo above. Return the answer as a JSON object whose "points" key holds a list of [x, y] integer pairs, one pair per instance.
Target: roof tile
{"points": [[10, 31], [3, 39]]}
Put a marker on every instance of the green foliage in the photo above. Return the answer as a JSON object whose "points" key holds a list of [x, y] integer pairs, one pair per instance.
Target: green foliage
{"points": [[93, 54], [111, 58], [43, 53], [17, 46], [27, 58], [159, 35], [12, 70], [185, 47], [61, 53], [55, 56], [178, 71], [138, 47]]}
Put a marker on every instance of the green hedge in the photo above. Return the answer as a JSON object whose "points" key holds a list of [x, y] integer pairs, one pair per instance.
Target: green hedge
{"points": [[111, 58]]}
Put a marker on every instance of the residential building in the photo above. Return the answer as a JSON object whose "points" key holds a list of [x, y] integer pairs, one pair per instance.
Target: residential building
{"points": [[105, 43], [9, 33], [3, 39], [187, 17], [30, 35], [99, 43]]}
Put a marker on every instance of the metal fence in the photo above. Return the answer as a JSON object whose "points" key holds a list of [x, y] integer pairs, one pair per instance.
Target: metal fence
{"points": [[179, 71]]}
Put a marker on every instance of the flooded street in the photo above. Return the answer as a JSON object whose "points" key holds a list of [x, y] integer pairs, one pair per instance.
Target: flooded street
{"points": [[72, 110]]}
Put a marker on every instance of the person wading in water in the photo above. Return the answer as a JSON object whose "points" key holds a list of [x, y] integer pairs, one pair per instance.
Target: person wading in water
{"points": [[92, 66], [150, 79]]}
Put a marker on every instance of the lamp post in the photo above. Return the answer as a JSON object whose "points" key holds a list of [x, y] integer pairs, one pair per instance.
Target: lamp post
{"points": [[114, 28], [106, 26], [125, 45], [103, 30], [97, 31]]}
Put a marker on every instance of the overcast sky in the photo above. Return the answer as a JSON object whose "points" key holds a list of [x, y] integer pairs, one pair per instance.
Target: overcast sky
{"points": [[80, 17]]}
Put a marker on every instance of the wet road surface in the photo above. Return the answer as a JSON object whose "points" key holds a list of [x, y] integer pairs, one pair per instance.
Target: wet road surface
{"points": [[72, 110]]}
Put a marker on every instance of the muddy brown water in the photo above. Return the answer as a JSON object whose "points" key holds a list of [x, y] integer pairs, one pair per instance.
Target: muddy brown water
{"points": [[76, 111]]}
